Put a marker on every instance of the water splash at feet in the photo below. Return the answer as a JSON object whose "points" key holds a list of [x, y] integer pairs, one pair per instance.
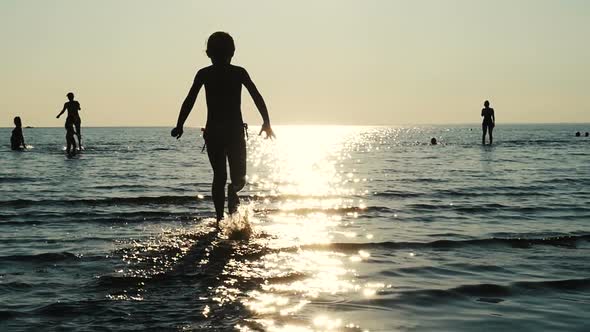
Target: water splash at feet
{"points": [[237, 225]]}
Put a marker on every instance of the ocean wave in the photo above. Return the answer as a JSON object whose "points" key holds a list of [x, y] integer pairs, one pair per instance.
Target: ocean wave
{"points": [[569, 241], [15, 285], [17, 179], [73, 309], [473, 208], [50, 257], [142, 200], [40, 217], [41, 258], [399, 194], [540, 142], [486, 292], [336, 210], [112, 281], [494, 290]]}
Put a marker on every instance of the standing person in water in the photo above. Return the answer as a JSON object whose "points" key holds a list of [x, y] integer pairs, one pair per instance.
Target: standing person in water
{"points": [[73, 119], [489, 122], [224, 130], [17, 140]]}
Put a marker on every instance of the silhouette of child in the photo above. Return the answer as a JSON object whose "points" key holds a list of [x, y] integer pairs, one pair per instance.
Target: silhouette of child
{"points": [[17, 140], [224, 130], [73, 118]]}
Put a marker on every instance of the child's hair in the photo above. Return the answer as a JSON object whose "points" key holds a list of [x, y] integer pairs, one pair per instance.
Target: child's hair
{"points": [[17, 121], [70, 95], [220, 45], [486, 103]]}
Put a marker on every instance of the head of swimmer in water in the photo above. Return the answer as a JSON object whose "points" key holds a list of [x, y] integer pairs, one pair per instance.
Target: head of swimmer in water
{"points": [[486, 104], [70, 96], [17, 122], [220, 47]]}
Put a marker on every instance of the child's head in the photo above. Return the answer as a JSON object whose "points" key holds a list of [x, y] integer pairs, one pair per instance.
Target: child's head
{"points": [[17, 121], [70, 95], [220, 47], [486, 103]]}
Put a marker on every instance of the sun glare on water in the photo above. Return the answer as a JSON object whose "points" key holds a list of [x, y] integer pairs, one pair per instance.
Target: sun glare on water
{"points": [[301, 189]]}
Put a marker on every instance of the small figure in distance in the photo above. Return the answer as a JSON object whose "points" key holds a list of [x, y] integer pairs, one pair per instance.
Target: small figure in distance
{"points": [[70, 140], [587, 134], [578, 134], [17, 140], [224, 130], [433, 141], [489, 122], [73, 118]]}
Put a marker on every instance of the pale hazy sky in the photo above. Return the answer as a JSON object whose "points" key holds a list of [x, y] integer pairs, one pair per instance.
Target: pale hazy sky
{"points": [[331, 61]]}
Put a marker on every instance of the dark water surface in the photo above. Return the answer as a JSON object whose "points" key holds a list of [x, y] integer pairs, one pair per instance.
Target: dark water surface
{"points": [[353, 229]]}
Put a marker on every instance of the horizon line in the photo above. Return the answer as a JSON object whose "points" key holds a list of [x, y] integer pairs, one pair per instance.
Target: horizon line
{"points": [[325, 124]]}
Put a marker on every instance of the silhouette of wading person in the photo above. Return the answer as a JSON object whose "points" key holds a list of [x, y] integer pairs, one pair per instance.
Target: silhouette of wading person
{"points": [[224, 131], [489, 122], [73, 119], [17, 139]]}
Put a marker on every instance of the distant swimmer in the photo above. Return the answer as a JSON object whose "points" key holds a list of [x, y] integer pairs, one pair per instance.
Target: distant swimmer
{"points": [[17, 140], [489, 122], [578, 134], [587, 134], [224, 130], [433, 141], [73, 119]]}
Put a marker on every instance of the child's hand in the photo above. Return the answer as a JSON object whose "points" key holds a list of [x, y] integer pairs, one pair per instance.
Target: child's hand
{"points": [[176, 132], [268, 130]]}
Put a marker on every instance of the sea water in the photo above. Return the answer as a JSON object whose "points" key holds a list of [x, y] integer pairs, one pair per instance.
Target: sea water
{"points": [[343, 229]]}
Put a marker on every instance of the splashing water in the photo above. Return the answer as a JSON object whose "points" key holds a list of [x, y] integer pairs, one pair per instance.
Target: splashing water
{"points": [[237, 225]]}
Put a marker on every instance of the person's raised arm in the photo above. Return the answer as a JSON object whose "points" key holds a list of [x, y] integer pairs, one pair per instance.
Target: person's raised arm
{"points": [[187, 105], [260, 104], [62, 111]]}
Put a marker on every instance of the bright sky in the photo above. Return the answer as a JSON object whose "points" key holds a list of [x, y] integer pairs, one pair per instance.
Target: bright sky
{"points": [[131, 63]]}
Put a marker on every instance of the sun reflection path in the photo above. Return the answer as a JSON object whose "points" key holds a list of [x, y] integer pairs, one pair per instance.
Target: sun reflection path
{"points": [[303, 161], [302, 189]]}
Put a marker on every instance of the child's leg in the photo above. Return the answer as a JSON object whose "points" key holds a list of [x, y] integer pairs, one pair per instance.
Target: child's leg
{"points": [[77, 123], [68, 143], [216, 153], [236, 156], [71, 144]]}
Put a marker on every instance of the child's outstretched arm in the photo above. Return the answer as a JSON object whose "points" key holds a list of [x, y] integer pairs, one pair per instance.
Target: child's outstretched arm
{"points": [[62, 111], [187, 105], [260, 104]]}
